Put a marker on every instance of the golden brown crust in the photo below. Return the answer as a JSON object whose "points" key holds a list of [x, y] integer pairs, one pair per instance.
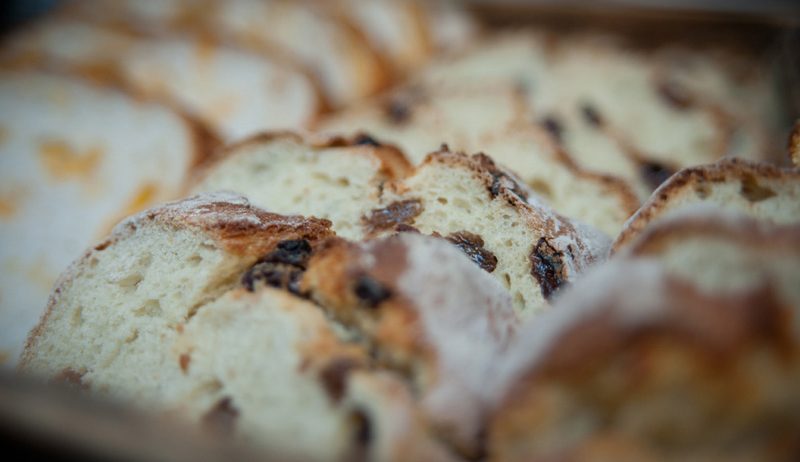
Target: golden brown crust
{"points": [[744, 231], [725, 170], [235, 225]]}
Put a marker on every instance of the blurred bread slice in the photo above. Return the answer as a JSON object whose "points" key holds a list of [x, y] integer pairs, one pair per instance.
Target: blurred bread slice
{"points": [[341, 58], [157, 316], [637, 365], [759, 190], [492, 120], [236, 91], [426, 309], [396, 29], [75, 157]]}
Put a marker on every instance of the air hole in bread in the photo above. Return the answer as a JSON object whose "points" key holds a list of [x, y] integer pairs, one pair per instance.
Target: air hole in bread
{"points": [[506, 280], [132, 336], [702, 190], [461, 203], [194, 260], [151, 308], [93, 262], [77, 317], [343, 181], [754, 192], [441, 200], [541, 187], [130, 281]]}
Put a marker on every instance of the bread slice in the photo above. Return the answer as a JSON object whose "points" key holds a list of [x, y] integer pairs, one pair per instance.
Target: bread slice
{"points": [[397, 29], [636, 365], [333, 178], [237, 92], [74, 157], [426, 309], [346, 66], [718, 251], [463, 198], [759, 190], [494, 121], [156, 315]]}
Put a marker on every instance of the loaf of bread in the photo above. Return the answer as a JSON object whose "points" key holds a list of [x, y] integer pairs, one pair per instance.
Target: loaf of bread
{"points": [[760, 190], [478, 205], [74, 158], [426, 309], [235, 91], [495, 121], [637, 365]]}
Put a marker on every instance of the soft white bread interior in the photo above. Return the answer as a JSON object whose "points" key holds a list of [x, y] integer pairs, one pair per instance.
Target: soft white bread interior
{"points": [[74, 157], [333, 178], [759, 190]]}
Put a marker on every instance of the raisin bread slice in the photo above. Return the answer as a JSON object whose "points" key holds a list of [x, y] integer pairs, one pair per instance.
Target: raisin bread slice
{"points": [[495, 121], [485, 210], [425, 308], [450, 194], [333, 178], [759, 190], [156, 316], [238, 92], [74, 157], [636, 365]]}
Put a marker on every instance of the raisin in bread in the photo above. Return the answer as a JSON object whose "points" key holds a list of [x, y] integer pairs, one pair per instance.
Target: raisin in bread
{"points": [[426, 309], [759, 190], [636, 365], [74, 158], [157, 316], [333, 178], [238, 92], [536, 250], [495, 121]]}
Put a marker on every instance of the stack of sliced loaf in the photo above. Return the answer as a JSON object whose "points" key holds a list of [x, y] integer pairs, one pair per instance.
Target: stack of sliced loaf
{"points": [[539, 247]]}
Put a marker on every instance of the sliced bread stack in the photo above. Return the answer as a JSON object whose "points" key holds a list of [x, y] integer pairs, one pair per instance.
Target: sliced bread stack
{"points": [[496, 121], [471, 201], [75, 158], [236, 91], [181, 310]]}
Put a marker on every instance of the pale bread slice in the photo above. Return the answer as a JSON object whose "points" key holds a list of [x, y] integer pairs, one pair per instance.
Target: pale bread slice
{"points": [[74, 158], [486, 210], [333, 178], [426, 309], [635, 365], [341, 58], [492, 120], [155, 316], [536, 250], [397, 29], [763, 191], [238, 92]]}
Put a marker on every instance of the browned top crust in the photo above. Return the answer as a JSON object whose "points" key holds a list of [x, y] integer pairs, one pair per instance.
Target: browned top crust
{"points": [[794, 144], [725, 170], [394, 164], [237, 226], [741, 230]]}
